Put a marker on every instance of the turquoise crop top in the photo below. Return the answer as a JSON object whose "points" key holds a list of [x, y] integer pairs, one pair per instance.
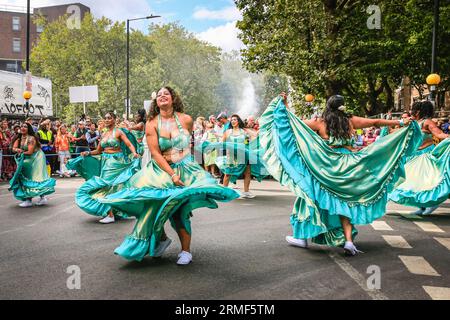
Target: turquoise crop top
{"points": [[241, 138], [111, 142], [340, 142], [180, 142]]}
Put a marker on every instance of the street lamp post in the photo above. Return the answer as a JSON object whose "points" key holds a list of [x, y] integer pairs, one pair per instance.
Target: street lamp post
{"points": [[27, 93], [28, 34], [434, 50], [128, 60]]}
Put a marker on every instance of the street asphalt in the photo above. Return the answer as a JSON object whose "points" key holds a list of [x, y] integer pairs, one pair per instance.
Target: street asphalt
{"points": [[239, 253]]}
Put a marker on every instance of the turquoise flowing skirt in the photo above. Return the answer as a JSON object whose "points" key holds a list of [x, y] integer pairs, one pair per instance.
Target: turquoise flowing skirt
{"points": [[31, 178], [330, 183], [104, 174], [238, 157], [427, 181], [152, 198]]}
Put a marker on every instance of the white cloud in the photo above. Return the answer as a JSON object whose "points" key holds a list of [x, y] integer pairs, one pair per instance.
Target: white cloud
{"points": [[226, 14], [225, 37], [117, 10]]}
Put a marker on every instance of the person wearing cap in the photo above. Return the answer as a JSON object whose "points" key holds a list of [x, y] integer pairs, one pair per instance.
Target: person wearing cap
{"points": [[223, 119]]}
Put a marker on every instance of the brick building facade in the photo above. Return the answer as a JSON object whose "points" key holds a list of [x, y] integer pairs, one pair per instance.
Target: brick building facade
{"points": [[13, 37]]}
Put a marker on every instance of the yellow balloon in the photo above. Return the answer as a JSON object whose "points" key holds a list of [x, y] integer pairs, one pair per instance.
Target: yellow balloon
{"points": [[27, 95], [433, 79], [309, 98]]}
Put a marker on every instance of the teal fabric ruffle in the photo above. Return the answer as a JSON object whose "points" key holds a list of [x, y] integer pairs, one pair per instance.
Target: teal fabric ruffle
{"points": [[414, 192], [22, 186], [317, 210]]}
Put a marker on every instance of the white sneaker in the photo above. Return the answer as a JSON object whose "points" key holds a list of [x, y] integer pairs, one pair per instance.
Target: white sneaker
{"points": [[429, 211], [297, 242], [350, 249], [163, 245], [26, 204], [419, 212], [184, 258], [107, 220], [235, 187], [42, 201], [247, 195]]}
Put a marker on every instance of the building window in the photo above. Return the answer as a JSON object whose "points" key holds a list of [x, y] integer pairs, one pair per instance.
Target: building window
{"points": [[39, 28], [11, 67], [16, 23], [16, 45]]}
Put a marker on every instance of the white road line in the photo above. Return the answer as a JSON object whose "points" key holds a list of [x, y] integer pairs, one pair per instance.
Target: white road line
{"points": [[418, 265], [39, 221], [438, 293], [397, 242], [381, 226], [357, 277], [429, 227], [444, 241]]}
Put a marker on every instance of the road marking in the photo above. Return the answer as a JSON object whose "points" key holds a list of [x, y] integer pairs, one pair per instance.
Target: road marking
{"points": [[357, 277], [444, 241], [438, 293], [429, 227], [381, 226], [397, 242], [418, 265]]}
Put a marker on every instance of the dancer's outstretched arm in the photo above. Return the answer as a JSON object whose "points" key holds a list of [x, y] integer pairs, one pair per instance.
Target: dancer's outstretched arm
{"points": [[128, 143], [434, 129], [361, 123]]}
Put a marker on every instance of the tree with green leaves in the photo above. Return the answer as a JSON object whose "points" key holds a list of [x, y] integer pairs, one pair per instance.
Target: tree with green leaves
{"points": [[95, 54], [326, 46]]}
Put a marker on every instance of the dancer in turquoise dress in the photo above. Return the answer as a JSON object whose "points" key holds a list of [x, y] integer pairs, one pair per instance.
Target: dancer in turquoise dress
{"points": [[31, 178], [427, 182], [210, 156], [337, 187], [170, 187], [242, 158], [139, 131], [105, 169]]}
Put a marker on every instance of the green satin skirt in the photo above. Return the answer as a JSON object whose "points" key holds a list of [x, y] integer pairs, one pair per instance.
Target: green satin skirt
{"points": [[238, 157], [330, 183], [31, 178], [427, 182], [104, 174], [152, 198]]}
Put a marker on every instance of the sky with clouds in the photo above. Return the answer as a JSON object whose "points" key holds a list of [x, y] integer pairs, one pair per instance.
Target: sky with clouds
{"points": [[211, 20]]}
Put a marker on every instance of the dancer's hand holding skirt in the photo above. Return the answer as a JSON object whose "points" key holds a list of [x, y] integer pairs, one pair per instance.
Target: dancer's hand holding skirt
{"points": [[31, 178]]}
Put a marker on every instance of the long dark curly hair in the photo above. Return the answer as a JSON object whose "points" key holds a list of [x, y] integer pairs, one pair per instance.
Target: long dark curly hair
{"points": [[177, 103], [337, 121], [31, 133], [240, 122], [141, 115], [422, 109]]}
